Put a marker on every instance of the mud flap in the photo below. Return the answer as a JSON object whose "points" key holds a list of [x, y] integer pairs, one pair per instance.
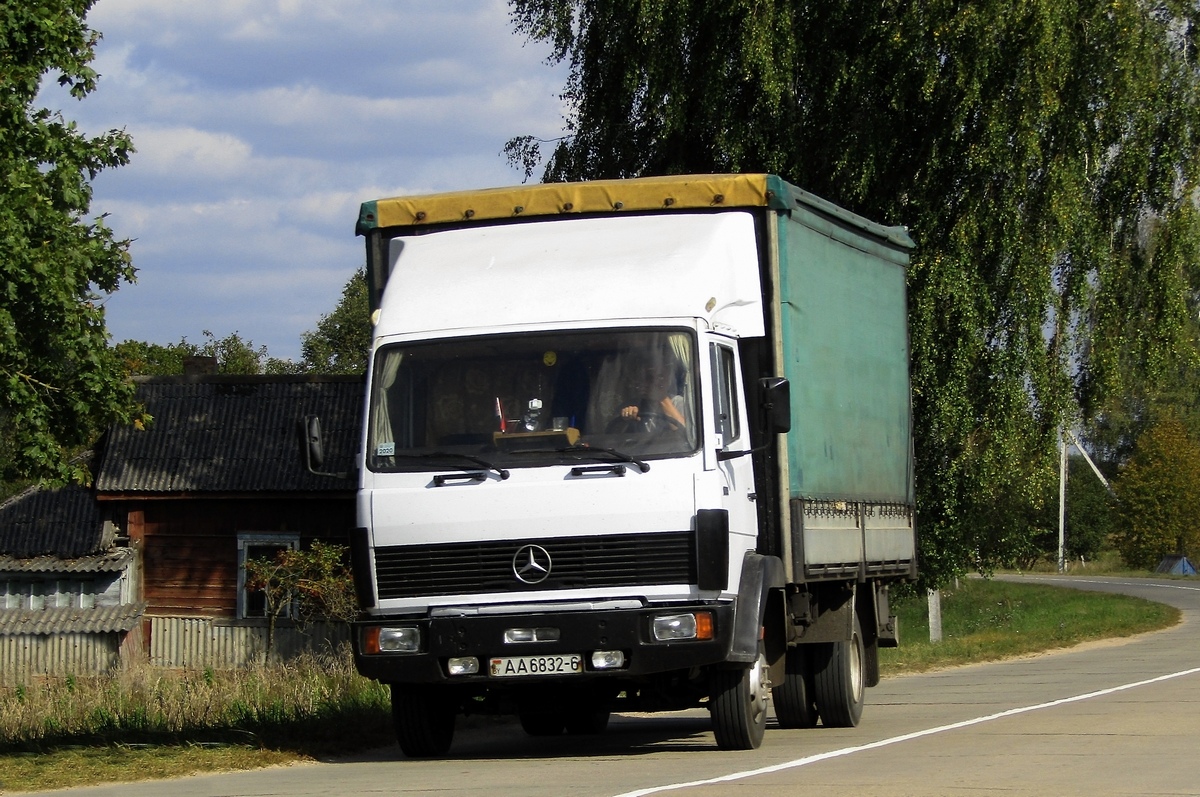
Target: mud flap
{"points": [[760, 574]]}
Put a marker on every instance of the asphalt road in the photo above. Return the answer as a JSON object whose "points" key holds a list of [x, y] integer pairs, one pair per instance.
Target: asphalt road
{"points": [[1113, 718]]}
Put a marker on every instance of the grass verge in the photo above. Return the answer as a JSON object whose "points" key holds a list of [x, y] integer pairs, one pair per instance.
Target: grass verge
{"points": [[149, 724], [984, 620]]}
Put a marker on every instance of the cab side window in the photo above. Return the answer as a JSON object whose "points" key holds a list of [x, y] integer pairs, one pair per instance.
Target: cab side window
{"points": [[725, 399]]}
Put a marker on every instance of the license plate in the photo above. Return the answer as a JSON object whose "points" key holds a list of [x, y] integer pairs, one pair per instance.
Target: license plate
{"points": [[515, 666]]}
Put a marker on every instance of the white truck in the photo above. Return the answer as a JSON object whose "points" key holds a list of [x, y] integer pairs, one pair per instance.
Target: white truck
{"points": [[631, 445]]}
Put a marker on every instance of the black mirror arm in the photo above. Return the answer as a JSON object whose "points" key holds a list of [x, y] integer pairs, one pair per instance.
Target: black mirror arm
{"points": [[724, 455], [312, 449]]}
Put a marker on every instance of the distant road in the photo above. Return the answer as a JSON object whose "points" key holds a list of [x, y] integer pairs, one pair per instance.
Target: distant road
{"points": [[1113, 718]]}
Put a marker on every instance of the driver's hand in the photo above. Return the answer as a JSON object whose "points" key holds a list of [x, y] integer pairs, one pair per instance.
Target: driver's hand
{"points": [[630, 412], [671, 412]]}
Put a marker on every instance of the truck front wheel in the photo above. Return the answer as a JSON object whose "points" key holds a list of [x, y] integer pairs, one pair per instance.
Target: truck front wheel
{"points": [[738, 705], [423, 717], [838, 680], [588, 713]]}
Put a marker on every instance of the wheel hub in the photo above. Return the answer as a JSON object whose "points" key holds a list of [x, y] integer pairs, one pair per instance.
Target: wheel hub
{"points": [[760, 687]]}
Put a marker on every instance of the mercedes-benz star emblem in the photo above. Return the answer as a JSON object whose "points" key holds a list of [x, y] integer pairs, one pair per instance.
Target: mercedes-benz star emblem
{"points": [[531, 564]]}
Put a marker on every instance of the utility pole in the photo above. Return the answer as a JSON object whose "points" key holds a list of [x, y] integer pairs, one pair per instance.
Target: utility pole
{"points": [[1062, 502], [1069, 438]]}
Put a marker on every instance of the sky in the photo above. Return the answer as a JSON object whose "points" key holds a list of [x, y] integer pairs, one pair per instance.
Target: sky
{"points": [[262, 125]]}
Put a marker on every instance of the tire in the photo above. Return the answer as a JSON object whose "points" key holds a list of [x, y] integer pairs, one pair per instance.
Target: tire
{"points": [[423, 717], [738, 702], [871, 663], [793, 699], [839, 680], [541, 718], [587, 714]]}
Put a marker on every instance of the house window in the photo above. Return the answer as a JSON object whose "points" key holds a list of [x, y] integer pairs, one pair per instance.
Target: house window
{"points": [[259, 545]]}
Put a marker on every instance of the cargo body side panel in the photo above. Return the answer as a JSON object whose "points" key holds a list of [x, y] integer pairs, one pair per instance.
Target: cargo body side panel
{"points": [[843, 319]]}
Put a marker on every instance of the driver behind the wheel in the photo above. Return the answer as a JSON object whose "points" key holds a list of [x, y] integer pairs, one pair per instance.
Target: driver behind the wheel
{"points": [[653, 384]]}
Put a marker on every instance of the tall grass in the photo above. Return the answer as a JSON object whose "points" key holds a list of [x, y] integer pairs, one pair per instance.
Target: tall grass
{"points": [[313, 704]]}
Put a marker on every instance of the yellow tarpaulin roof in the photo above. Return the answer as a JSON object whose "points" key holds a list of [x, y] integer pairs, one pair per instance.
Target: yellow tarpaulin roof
{"points": [[598, 196]]}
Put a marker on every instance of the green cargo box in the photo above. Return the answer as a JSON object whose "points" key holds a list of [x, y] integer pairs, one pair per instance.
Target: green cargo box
{"points": [[843, 345]]}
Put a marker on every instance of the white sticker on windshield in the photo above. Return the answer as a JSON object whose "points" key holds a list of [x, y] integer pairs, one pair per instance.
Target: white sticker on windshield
{"points": [[385, 450]]}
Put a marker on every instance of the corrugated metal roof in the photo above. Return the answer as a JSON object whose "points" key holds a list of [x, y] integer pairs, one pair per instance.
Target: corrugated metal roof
{"points": [[103, 619], [111, 561], [65, 522], [233, 434]]}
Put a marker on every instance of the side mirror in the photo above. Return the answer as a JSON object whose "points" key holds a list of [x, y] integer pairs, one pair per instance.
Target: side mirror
{"points": [[775, 403], [775, 414], [312, 448]]}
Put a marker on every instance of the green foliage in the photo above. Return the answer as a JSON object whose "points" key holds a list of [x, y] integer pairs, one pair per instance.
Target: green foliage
{"points": [[1089, 520], [1042, 154], [60, 384], [1124, 417], [233, 356], [1159, 491], [316, 582], [1091, 511], [342, 339]]}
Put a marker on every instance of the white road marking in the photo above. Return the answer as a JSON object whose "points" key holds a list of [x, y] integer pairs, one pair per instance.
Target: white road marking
{"points": [[845, 751]]}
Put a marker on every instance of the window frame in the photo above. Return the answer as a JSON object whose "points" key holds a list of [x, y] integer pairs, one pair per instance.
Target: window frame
{"points": [[246, 542], [726, 410]]}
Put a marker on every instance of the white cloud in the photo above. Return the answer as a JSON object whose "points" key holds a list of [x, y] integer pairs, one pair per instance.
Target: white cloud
{"points": [[176, 150], [261, 125]]}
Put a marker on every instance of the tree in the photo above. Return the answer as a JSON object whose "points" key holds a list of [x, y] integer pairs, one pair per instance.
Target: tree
{"points": [[1089, 519], [233, 355], [342, 339], [1042, 154], [1159, 490], [59, 382], [1090, 512]]}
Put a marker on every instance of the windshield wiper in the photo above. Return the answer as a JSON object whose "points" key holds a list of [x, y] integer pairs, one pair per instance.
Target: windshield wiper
{"points": [[483, 463], [614, 454]]}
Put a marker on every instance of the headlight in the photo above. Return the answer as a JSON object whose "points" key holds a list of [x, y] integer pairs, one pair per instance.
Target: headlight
{"points": [[465, 665], [674, 627], [608, 659], [385, 639]]}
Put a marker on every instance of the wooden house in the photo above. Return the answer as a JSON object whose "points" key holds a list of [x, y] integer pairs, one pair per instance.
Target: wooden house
{"points": [[215, 479]]}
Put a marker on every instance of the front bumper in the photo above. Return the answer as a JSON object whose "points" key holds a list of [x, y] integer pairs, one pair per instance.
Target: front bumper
{"points": [[580, 632]]}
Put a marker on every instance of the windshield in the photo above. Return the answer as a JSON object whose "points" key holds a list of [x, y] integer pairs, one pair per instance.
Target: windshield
{"points": [[533, 399]]}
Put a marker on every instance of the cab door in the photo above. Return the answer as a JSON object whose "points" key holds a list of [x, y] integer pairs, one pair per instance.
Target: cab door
{"points": [[731, 435]]}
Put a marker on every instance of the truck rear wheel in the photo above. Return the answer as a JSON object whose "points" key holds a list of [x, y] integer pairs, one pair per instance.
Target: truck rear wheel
{"points": [[838, 680], [738, 705], [423, 717], [793, 699]]}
